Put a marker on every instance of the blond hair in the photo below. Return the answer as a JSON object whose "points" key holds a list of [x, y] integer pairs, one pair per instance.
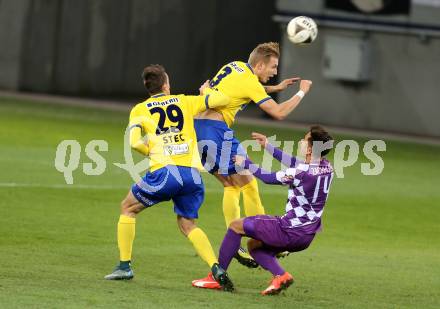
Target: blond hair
{"points": [[263, 52]]}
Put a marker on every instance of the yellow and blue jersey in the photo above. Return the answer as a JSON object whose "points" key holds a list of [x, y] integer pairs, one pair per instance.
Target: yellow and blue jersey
{"points": [[167, 123], [241, 85]]}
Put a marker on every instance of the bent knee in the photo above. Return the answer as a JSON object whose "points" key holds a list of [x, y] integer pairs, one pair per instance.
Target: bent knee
{"points": [[187, 229], [186, 225], [253, 244], [130, 209], [125, 204], [227, 183], [237, 226]]}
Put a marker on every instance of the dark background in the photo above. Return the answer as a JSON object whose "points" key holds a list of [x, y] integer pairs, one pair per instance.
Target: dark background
{"points": [[389, 7], [99, 48]]}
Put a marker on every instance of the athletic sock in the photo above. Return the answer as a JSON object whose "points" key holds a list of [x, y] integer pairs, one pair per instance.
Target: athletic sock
{"points": [[202, 245], [268, 261], [126, 232], [229, 248], [251, 199], [231, 204], [125, 265]]}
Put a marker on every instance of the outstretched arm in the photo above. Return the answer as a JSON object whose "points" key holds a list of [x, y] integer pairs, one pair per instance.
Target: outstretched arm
{"points": [[277, 153], [280, 111], [263, 175], [207, 99], [282, 86], [213, 98], [274, 178], [285, 158]]}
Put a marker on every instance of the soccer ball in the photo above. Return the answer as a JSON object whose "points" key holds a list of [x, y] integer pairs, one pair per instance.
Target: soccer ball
{"points": [[302, 30]]}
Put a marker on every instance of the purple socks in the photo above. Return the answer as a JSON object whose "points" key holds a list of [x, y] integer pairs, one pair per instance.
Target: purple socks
{"points": [[268, 261], [229, 248]]}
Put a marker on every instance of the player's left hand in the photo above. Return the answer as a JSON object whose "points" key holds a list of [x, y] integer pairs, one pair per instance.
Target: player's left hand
{"points": [[287, 82], [239, 160]]}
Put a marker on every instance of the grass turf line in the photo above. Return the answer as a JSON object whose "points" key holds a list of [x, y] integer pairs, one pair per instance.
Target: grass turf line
{"points": [[379, 247]]}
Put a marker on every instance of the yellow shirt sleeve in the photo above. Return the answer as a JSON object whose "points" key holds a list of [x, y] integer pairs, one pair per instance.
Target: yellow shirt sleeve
{"points": [[209, 99], [215, 98], [136, 115], [255, 91], [137, 130]]}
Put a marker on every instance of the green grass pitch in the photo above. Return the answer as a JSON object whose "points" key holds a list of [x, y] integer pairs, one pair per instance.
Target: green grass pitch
{"points": [[379, 247]]}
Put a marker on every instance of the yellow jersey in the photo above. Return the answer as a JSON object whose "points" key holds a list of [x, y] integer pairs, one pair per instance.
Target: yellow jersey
{"points": [[167, 124], [238, 81]]}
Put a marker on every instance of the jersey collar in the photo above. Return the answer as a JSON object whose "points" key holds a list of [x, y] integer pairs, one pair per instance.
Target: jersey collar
{"points": [[250, 68], [158, 95]]}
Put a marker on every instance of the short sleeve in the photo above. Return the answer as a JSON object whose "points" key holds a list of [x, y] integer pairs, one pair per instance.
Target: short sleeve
{"points": [[255, 91], [136, 117]]}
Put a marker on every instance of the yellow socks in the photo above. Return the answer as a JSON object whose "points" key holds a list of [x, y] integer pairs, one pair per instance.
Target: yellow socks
{"points": [[251, 199], [231, 204], [202, 245], [126, 232]]}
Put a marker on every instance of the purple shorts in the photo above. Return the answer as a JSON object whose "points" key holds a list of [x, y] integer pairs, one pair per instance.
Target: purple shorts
{"points": [[268, 229]]}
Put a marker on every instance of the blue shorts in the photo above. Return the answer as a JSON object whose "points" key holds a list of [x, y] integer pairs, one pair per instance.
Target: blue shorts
{"points": [[181, 184], [217, 146]]}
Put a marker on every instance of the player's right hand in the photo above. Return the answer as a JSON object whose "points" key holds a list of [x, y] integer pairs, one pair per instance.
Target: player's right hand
{"points": [[203, 86], [260, 138], [287, 82], [305, 85]]}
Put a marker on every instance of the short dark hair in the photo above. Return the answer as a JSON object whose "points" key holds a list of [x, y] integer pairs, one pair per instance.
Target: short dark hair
{"points": [[154, 77], [319, 134]]}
